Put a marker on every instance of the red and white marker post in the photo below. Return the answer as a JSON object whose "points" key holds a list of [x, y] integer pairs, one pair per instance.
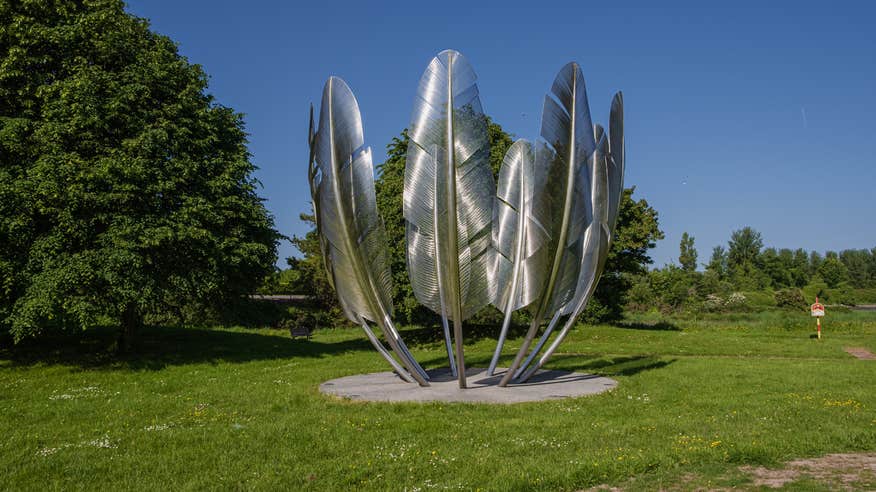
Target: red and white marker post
{"points": [[817, 313]]}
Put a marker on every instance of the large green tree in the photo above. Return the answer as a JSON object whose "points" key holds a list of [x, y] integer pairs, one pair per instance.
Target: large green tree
{"points": [[871, 266], [636, 233], [857, 263], [125, 189], [776, 266]]}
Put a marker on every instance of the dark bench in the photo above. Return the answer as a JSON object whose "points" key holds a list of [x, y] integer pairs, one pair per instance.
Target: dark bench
{"points": [[300, 332]]}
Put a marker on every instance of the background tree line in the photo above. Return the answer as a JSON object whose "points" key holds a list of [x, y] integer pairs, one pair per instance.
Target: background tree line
{"points": [[637, 232], [745, 272]]}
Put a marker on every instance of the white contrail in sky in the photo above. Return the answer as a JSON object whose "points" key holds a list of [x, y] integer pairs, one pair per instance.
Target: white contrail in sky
{"points": [[805, 121]]}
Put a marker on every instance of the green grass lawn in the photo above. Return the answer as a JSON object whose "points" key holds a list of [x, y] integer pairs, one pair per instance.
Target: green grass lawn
{"points": [[234, 408]]}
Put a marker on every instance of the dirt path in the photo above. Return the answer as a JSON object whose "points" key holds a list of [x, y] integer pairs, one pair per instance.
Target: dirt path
{"points": [[864, 307]]}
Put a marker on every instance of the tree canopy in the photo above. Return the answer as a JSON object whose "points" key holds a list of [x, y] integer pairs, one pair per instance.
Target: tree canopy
{"points": [[781, 277], [744, 247], [125, 189], [687, 256], [636, 233]]}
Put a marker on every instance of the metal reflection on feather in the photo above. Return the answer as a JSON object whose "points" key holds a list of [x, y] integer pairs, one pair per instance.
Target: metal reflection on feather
{"points": [[608, 188], [561, 201], [448, 196], [352, 236]]}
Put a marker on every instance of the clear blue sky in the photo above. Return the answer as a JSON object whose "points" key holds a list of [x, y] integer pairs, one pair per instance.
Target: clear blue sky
{"points": [[760, 114]]}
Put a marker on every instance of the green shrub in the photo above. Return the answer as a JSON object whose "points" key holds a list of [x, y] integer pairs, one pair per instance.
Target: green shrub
{"points": [[866, 296], [641, 296], [816, 288], [737, 300], [713, 303], [790, 298], [759, 299], [596, 312], [251, 313], [299, 318], [843, 293]]}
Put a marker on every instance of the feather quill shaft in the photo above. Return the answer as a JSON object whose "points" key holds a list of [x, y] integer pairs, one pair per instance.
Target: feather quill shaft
{"points": [[382, 351], [441, 295], [541, 341], [617, 159]]}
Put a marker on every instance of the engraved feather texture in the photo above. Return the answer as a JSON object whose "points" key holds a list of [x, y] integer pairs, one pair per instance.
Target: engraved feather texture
{"points": [[562, 205], [342, 186], [449, 192], [607, 188], [617, 161], [594, 246], [597, 236], [516, 239], [313, 178]]}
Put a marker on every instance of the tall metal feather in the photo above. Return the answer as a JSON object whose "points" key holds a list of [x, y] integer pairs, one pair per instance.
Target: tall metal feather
{"points": [[561, 204], [352, 235], [595, 250], [617, 160], [593, 240], [514, 239], [448, 196], [608, 186]]}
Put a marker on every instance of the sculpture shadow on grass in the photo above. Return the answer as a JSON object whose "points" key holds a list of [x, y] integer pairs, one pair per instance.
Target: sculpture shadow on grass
{"points": [[432, 334], [612, 366], [160, 347], [590, 365], [641, 325]]}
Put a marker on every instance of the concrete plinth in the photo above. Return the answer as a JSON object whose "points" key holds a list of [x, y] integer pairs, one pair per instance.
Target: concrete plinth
{"points": [[545, 385]]}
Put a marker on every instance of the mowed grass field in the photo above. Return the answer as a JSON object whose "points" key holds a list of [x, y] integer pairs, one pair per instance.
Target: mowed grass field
{"points": [[224, 408]]}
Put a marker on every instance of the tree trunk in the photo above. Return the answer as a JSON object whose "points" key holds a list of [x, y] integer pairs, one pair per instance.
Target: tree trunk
{"points": [[130, 323]]}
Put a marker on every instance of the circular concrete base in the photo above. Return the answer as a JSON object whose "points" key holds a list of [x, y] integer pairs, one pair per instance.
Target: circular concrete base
{"points": [[545, 385]]}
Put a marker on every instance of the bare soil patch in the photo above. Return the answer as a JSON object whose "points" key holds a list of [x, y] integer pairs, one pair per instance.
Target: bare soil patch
{"points": [[849, 471], [860, 353]]}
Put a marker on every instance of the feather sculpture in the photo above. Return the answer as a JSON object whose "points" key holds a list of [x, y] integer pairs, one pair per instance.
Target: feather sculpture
{"points": [[448, 196], [515, 239], [607, 191], [352, 235], [561, 202]]}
